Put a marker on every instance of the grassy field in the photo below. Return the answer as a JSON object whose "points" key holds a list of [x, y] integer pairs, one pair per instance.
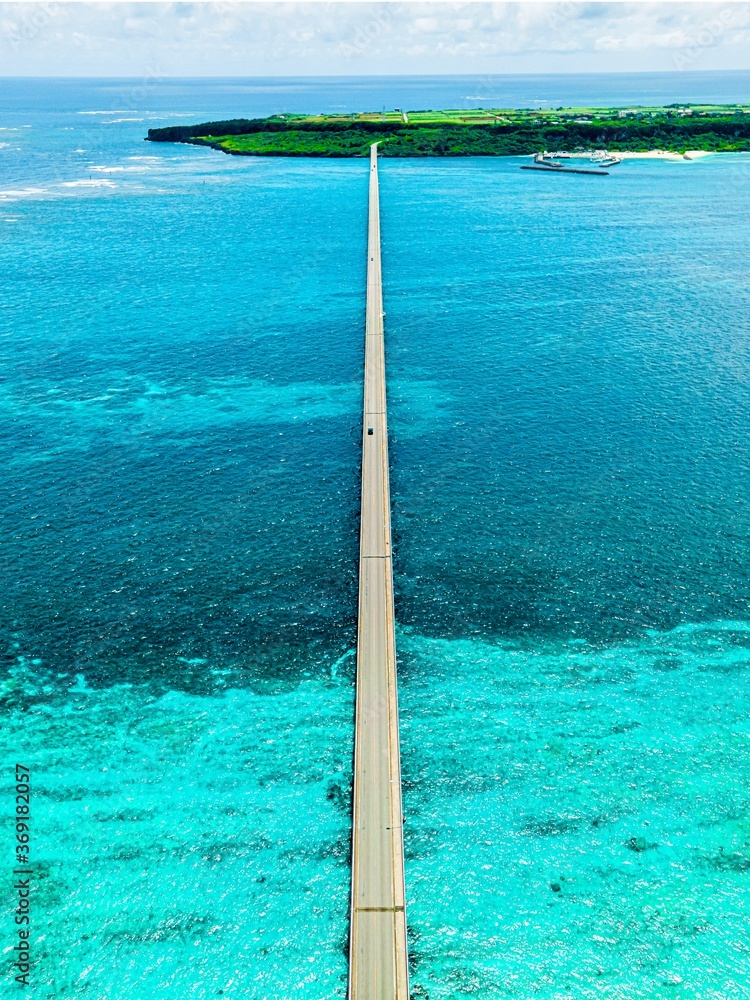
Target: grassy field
{"points": [[475, 132]]}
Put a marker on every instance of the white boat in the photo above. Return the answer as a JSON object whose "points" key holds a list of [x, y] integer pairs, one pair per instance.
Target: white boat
{"points": [[604, 159]]}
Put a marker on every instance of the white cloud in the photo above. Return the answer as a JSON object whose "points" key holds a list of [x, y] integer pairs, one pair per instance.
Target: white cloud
{"points": [[255, 39]]}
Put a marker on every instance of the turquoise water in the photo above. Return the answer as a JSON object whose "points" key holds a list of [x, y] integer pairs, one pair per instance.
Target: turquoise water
{"points": [[569, 382], [569, 405]]}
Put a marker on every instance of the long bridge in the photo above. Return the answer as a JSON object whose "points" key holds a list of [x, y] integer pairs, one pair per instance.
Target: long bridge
{"points": [[377, 944]]}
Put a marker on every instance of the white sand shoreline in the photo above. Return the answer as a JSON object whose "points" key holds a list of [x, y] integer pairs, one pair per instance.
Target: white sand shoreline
{"points": [[651, 154], [663, 154]]}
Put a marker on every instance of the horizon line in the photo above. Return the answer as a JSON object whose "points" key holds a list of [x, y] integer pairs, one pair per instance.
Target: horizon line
{"points": [[386, 76]]}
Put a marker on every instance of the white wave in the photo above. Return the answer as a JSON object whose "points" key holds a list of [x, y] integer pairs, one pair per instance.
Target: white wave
{"points": [[89, 184], [110, 112], [116, 121], [159, 116], [15, 193], [111, 170]]}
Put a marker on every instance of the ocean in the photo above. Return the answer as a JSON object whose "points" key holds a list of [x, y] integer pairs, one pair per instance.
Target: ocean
{"points": [[569, 404]]}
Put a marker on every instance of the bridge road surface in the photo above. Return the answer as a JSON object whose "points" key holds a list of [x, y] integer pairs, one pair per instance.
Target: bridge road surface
{"points": [[377, 943]]}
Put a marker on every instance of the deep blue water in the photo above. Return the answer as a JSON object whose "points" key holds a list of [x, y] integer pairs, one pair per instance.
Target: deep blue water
{"points": [[569, 390]]}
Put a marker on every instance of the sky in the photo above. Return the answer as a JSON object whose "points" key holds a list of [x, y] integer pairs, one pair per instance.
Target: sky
{"points": [[143, 39]]}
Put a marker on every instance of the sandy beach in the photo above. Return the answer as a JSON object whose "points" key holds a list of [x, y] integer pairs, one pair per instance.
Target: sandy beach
{"points": [[663, 154], [651, 154]]}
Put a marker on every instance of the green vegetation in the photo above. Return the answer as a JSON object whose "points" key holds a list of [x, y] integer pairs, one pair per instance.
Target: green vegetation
{"points": [[721, 128]]}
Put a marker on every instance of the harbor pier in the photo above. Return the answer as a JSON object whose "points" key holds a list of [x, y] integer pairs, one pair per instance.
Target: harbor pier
{"points": [[377, 945]]}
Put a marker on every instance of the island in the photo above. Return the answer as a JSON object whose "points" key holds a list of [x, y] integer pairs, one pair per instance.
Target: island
{"points": [[676, 128]]}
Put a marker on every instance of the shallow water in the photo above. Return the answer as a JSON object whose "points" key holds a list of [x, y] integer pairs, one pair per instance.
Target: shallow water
{"points": [[588, 809], [568, 388]]}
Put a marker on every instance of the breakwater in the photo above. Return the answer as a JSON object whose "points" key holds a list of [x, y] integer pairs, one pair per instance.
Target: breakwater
{"points": [[564, 170]]}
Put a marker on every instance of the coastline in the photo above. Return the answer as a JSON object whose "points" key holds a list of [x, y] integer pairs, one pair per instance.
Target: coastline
{"points": [[688, 156], [665, 154]]}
